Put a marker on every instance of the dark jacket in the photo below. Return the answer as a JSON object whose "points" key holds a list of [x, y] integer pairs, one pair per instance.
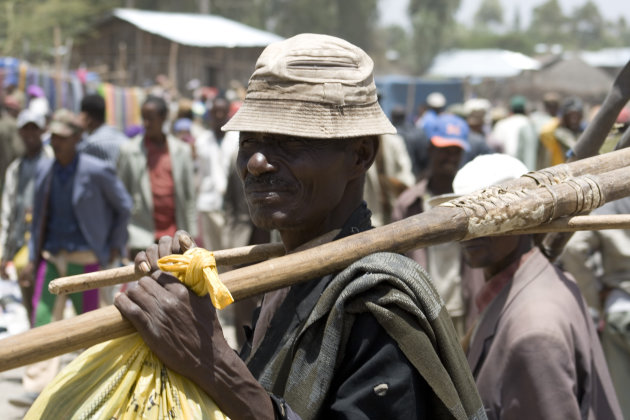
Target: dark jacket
{"points": [[100, 202]]}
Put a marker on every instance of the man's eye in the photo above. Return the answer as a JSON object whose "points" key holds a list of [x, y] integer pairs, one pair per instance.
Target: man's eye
{"points": [[294, 142]]}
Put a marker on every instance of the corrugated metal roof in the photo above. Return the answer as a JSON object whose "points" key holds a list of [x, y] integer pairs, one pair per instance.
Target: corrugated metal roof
{"points": [[197, 30], [482, 63], [607, 57]]}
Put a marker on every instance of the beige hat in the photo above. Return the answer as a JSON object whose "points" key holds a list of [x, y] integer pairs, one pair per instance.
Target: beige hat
{"points": [[314, 86], [64, 123]]}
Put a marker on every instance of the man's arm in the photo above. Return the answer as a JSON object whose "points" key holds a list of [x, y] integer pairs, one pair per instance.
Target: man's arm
{"points": [[120, 201], [184, 332], [541, 379]]}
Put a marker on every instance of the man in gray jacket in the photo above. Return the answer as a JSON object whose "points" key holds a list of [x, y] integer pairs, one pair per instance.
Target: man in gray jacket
{"points": [[534, 352]]}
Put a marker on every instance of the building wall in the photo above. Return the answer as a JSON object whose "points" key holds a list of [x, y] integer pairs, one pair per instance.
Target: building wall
{"points": [[125, 55]]}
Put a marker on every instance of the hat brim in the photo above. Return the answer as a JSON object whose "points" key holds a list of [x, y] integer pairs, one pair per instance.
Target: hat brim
{"points": [[31, 121], [438, 141], [309, 119], [60, 129]]}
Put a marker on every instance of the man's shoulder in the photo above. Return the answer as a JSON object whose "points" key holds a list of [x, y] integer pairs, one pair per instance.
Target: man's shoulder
{"points": [[93, 165], [132, 146], [547, 305]]}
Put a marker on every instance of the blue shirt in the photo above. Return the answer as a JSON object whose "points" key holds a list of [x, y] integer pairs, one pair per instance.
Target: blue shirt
{"points": [[62, 228]]}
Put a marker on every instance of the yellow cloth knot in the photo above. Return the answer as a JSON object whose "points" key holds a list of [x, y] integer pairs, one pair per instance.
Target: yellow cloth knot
{"points": [[197, 269]]}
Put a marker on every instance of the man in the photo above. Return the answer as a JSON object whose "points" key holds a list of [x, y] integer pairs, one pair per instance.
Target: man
{"points": [[550, 108], [80, 216], [101, 140], [215, 150], [534, 352], [443, 261], [9, 139], [18, 193], [157, 171], [600, 262], [416, 141], [560, 135], [516, 133], [435, 105], [309, 128]]}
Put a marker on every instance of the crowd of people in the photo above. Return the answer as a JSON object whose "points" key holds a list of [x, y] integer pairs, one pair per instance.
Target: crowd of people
{"points": [[308, 152]]}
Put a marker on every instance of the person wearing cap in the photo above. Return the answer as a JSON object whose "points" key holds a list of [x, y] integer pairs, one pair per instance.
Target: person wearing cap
{"points": [[101, 140], [156, 168], [80, 215], [516, 133], [18, 193], [534, 351], [454, 281], [435, 105], [308, 134]]}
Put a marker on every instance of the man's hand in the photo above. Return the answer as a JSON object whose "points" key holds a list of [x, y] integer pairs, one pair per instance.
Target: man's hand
{"points": [[27, 275], [3, 269], [183, 330], [146, 261]]}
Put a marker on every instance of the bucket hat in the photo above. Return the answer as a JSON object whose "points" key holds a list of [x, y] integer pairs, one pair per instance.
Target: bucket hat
{"points": [[315, 86], [64, 123]]}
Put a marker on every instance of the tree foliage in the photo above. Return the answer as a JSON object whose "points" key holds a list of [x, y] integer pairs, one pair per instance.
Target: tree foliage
{"points": [[490, 13], [27, 26], [433, 24], [549, 24]]}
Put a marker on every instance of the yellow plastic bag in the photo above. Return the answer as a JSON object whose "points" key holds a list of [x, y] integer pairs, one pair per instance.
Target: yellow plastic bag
{"points": [[123, 379]]}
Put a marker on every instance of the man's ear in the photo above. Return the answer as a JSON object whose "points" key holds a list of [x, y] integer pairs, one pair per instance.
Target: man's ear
{"points": [[364, 151]]}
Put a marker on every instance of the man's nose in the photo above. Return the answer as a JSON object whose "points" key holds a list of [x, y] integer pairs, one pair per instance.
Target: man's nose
{"points": [[258, 164]]}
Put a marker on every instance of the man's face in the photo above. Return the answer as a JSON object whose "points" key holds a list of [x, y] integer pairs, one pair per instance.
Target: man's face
{"points": [[152, 121], [64, 147], [31, 136], [219, 112], [489, 251], [572, 120], [292, 182], [85, 120], [445, 160]]}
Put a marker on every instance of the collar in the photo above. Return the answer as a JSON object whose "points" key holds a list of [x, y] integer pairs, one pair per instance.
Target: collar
{"points": [[359, 221], [66, 171], [496, 283]]}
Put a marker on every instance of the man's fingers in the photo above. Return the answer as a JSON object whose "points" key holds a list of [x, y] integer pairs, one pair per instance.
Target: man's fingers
{"points": [[131, 311], [142, 264], [165, 246], [182, 242]]}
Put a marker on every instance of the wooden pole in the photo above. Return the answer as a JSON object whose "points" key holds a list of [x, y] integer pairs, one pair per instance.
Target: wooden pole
{"points": [[577, 223], [227, 257], [593, 137], [484, 213], [87, 281]]}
